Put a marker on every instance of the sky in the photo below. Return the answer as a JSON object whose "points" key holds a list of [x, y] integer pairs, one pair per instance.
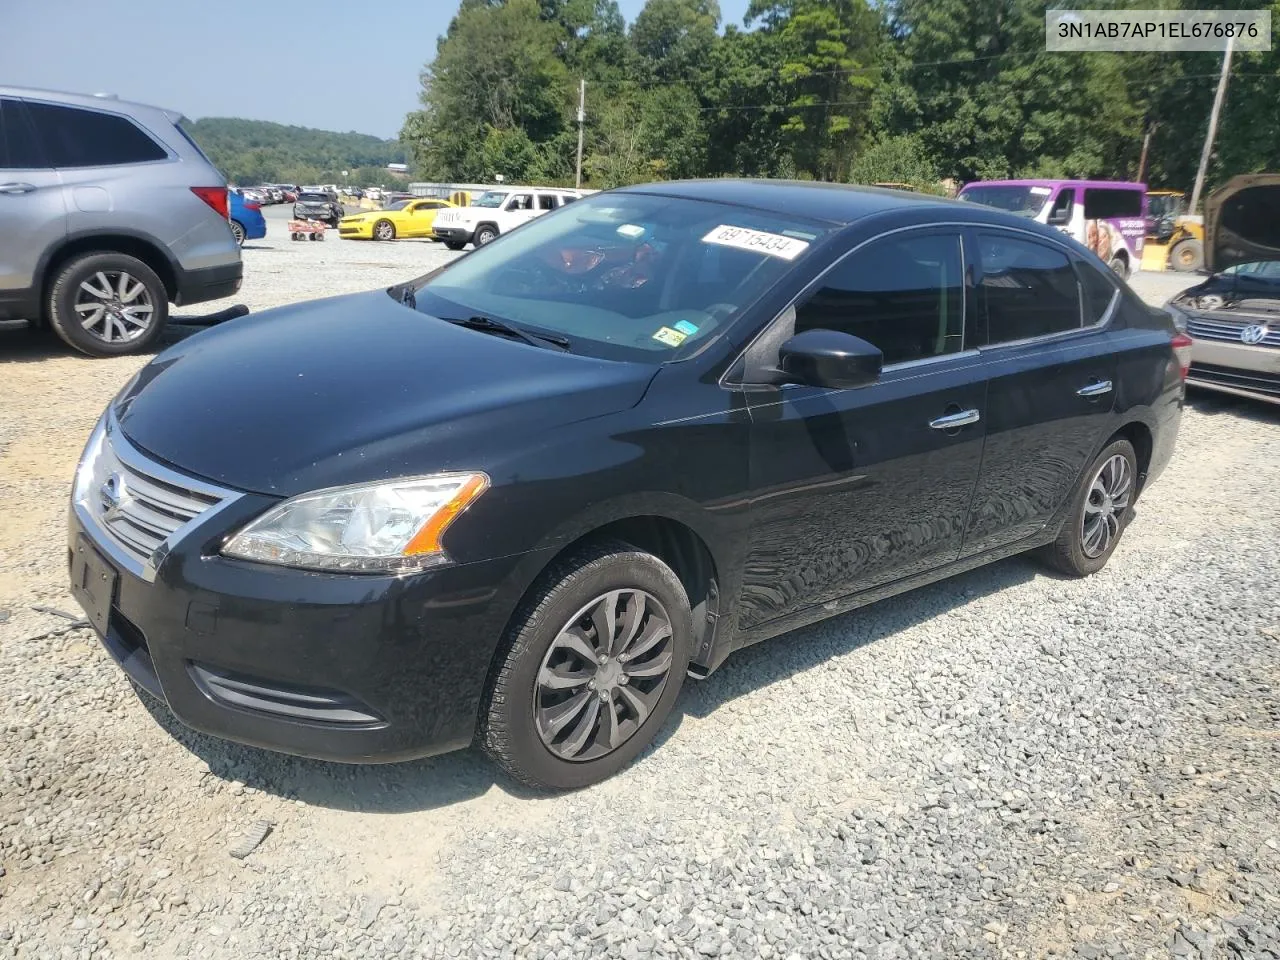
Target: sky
{"points": [[315, 63]]}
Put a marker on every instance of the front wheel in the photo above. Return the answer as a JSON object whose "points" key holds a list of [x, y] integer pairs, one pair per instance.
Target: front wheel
{"points": [[486, 235], [384, 230], [1187, 256], [593, 664], [1102, 507], [454, 244]]}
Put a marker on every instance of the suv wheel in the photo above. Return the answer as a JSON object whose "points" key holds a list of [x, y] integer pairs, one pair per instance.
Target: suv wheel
{"points": [[593, 666], [108, 304], [486, 235], [1102, 507]]}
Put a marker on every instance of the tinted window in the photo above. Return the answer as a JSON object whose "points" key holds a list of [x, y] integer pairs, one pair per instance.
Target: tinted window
{"points": [[1102, 203], [86, 138], [905, 295], [546, 201], [1061, 212], [18, 150], [1099, 290], [521, 201], [1029, 289]]}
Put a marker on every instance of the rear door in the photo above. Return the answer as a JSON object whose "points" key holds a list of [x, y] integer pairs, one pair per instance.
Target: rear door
{"points": [[32, 212], [1051, 361], [856, 488]]}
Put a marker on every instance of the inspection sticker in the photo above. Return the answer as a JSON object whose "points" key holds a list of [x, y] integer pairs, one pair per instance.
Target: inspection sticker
{"points": [[672, 338], [770, 244], [687, 328]]}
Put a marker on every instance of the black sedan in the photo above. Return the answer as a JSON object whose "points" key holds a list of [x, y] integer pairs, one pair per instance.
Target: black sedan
{"points": [[518, 500], [325, 207]]}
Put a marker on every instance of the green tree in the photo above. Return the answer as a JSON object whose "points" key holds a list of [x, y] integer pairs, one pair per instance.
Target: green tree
{"points": [[674, 38]]}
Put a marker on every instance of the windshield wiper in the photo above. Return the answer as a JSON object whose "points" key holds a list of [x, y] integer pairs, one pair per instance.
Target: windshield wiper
{"points": [[492, 325]]}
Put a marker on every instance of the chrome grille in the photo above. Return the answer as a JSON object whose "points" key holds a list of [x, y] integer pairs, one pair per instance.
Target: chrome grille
{"points": [[135, 502], [1228, 331]]}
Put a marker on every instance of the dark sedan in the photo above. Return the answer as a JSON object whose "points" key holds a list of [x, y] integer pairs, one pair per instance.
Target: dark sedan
{"points": [[518, 500]]}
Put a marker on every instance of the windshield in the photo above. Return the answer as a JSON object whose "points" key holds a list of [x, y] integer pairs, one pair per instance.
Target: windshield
{"points": [[1268, 270], [312, 198], [624, 276], [1024, 201], [489, 199]]}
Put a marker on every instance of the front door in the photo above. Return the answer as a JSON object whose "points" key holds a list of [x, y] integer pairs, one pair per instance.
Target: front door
{"points": [[1051, 360], [31, 207], [422, 218], [856, 488]]}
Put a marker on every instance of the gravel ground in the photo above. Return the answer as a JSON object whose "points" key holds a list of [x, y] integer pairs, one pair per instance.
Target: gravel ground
{"points": [[1005, 764]]}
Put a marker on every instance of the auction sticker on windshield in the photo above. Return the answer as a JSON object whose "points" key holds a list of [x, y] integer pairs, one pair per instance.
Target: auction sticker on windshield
{"points": [[757, 241]]}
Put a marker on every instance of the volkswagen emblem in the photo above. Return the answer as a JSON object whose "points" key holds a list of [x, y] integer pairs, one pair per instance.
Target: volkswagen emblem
{"points": [[1255, 333]]}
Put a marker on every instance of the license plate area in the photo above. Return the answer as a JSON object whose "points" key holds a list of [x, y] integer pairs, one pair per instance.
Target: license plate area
{"points": [[93, 583]]}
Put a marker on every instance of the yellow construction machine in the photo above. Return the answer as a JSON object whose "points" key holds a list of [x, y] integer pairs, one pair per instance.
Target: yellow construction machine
{"points": [[1175, 238]]}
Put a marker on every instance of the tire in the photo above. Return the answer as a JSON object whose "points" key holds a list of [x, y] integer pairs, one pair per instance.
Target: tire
{"points": [[1187, 256], [485, 234], [454, 244], [237, 231], [1120, 267], [384, 230], [72, 304], [1075, 552], [518, 709]]}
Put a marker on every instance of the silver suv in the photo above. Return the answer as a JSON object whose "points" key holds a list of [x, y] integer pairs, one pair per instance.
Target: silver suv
{"points": [[109, 212]]}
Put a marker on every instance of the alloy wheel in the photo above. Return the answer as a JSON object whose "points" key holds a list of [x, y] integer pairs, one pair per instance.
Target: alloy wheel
{"points": [[237, 232], [1105, 506], [603, 675], [114, 306], [384, 230]]}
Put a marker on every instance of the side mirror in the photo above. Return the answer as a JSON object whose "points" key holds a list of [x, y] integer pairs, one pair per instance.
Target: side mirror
{"points": [[827, 358], [1059, 218]]}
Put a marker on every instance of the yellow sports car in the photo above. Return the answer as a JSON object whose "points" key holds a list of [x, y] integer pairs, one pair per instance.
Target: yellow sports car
{"points": [[406, 218]]}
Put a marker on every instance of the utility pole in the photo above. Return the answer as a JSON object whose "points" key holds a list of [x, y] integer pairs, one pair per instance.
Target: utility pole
{"points": [[1146, 142], [582, 116], [1213, 126]]}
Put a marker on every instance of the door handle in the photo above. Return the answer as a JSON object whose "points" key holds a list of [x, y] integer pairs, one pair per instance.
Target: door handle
{"points": [[952, 420], [17, 187], [1095, 389]]}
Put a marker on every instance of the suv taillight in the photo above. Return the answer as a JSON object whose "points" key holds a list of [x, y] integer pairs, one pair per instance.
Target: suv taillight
{"points": [[1182, 350], [215, 197]]}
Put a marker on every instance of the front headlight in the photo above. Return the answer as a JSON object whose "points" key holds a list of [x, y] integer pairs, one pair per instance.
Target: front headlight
{"points": [[392, 527]]}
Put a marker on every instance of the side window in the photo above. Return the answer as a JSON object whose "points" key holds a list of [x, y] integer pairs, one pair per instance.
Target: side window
{"points": [[86, 138], [1099, 290], [521, 201], [1063, 205], [567, 198], [18, 150], [1109, 203], [903, 294], [546, 201], [1028, 288]]}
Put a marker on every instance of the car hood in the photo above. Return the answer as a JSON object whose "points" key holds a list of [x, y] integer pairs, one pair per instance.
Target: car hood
{"points": [[357, 389], [1242, 221]]}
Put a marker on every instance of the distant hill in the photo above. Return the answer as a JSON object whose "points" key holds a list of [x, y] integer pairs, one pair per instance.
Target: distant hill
{"points": [[257, 151]]}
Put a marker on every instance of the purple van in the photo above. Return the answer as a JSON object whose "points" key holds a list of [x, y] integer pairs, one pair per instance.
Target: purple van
{"points": [[1107, 216]]}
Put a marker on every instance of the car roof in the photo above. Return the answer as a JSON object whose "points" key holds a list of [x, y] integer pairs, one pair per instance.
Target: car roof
{"points": [[108, 102], [834, 203]]}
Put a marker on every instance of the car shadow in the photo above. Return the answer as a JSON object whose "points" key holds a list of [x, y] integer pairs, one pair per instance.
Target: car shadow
{"points": [[20, 343], [451, 778], [1214, 403]]}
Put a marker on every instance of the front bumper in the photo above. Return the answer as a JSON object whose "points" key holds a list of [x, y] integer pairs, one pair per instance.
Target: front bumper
{"points": [[348, 668], [355, 231], [450, 234], [1236, 368]]}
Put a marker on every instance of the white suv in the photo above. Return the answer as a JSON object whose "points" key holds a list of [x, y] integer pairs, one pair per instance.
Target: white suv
{"points": [[496, 212]]}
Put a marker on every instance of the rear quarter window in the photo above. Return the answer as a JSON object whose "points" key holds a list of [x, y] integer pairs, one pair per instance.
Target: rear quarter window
{"points": [[1103, 203], [72, 137]]}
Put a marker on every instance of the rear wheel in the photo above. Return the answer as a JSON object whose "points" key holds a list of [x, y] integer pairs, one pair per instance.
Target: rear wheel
{"points": [[593, 665], [384, 230], [1101, 509], [1120, 267], [108, 304], [1187, 255], [237, 231]]}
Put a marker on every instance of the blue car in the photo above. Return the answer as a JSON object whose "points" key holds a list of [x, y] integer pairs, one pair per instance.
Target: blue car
{"points": [[247, 221]]}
